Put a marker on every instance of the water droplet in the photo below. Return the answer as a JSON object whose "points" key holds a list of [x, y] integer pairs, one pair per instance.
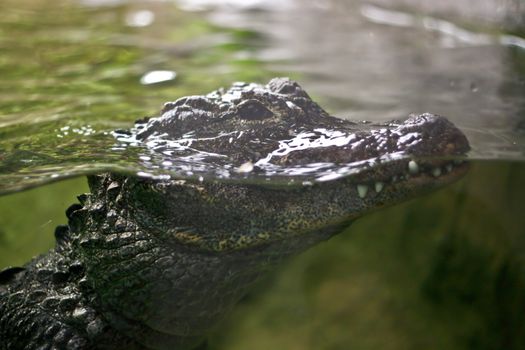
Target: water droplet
{"points": [[143, 174], [141, 18], [157, 76]]}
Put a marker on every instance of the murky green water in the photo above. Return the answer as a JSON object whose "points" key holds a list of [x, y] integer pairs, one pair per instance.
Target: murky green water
{"points": [[441, 272], [445, 271], [72, 73]]}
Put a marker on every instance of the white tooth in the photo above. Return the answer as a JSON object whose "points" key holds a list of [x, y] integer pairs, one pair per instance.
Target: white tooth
{"points": [[448, 168], [436, 172], [362, 190], [413, 168], [379, 186]]}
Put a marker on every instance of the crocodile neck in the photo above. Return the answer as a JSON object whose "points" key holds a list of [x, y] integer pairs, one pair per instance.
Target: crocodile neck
{"points": [[142, 276]]}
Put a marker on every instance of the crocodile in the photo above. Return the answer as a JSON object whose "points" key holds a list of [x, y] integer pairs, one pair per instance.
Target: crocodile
{"points": [[149, 262]]}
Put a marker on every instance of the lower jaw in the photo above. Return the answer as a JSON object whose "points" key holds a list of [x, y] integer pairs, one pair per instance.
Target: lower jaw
{"points": [[407, 173]]}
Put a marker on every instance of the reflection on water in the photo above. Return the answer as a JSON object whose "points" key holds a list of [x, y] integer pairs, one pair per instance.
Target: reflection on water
{"points": [[449, 29], [71, 74], [378, 71], [106, 64]]}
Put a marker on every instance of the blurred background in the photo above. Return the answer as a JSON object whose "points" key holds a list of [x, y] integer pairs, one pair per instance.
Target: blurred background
{"points": [[442, 272]]}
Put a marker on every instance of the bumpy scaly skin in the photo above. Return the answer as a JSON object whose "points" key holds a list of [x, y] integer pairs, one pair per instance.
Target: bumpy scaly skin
{"points": [[151, 264]]}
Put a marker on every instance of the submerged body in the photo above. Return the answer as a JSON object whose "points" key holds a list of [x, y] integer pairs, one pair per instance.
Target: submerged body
{"points": [[149, 263]]}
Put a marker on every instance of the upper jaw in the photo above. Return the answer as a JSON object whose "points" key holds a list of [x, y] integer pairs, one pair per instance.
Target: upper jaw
{"points": [[423, 153], [403, 173], [419, 136]]}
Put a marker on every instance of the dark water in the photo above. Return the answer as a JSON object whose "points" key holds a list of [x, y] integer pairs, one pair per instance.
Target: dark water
{"points": [[444, 271]]}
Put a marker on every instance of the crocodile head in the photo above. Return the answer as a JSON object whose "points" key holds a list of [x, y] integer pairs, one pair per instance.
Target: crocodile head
{"points": [[175, 255], [264, 131]]}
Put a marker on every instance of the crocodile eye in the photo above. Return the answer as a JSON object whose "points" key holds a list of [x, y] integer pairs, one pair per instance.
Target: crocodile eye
{"points": [[253, 110], [286, 86]]}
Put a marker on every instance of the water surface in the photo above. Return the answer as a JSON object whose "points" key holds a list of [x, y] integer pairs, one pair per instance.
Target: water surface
{"points": [[72, 72]]}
